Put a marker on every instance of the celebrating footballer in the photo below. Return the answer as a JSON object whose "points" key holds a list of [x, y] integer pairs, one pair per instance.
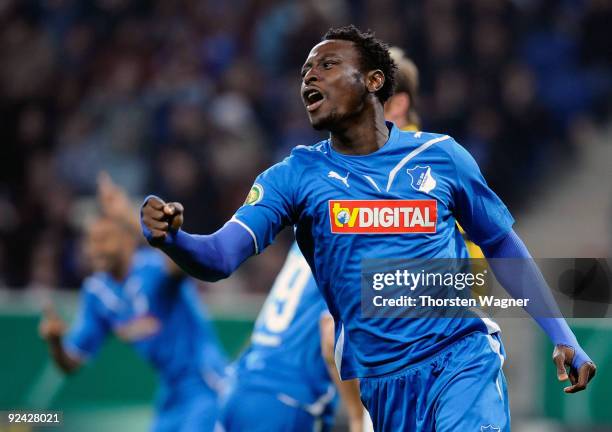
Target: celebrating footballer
{"points": [[414, 374]]}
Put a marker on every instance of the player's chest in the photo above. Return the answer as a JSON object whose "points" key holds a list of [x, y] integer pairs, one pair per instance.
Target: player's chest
{"points": [[132, 318], [389, 198]]}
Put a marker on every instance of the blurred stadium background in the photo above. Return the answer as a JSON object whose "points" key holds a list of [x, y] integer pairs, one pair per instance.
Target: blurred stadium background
{"points": [[211, 87]]}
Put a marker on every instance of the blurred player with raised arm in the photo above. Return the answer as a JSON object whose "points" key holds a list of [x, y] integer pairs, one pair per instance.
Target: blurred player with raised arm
{"points": [[415, 374], [146, 301], [282, 383]]}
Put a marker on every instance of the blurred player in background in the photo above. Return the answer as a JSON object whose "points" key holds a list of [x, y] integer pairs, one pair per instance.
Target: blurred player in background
{"points": [[415, 374], [401, 109], [282, 382], [146, 301]]}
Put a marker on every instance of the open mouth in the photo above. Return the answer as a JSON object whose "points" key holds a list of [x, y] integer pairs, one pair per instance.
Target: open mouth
{"points": [[313, 98]]}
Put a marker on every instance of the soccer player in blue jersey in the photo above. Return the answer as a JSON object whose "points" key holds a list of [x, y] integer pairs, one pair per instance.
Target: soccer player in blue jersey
{"points": [[146, 301], [283, 371], [373, 191]]}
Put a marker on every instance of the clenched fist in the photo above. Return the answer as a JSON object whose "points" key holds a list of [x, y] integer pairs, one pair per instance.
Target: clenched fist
{"points": [[579, 378], [159, 218]]}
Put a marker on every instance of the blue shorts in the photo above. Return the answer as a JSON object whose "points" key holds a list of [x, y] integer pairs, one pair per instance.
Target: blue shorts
{"points": [[253, 410], [462, 388]]}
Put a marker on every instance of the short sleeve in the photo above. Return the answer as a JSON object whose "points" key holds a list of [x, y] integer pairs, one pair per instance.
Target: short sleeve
{"points": [[478, 209], [269, 206], [88, 331]]}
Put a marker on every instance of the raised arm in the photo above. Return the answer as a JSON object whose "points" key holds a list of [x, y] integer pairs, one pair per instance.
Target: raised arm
{"points": [[545, 311], [52, 328], [207, 257], [115, 203], [269, 207]]}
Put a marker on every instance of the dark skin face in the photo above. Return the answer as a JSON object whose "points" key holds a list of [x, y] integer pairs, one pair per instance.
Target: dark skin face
{"points": [[109, 247], [340, 97]]}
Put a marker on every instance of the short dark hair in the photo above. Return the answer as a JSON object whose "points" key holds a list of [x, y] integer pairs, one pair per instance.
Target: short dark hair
{"points": [[374, 55]]}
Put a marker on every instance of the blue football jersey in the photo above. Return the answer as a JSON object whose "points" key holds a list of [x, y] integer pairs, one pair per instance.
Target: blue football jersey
{"points": [[159, 314], [284, 356], [401, 201]]}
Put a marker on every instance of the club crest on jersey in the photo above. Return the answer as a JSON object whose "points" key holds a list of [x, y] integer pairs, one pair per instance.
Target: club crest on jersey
{"points": [[422, 178], [382, 216], [255, 195], [489, 428]]}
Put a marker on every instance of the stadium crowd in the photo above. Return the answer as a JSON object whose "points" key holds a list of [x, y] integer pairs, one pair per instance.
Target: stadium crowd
{"points": [[212, 88]]}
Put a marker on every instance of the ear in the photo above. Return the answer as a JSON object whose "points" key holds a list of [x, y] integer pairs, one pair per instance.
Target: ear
{"points": [[375, 80]]}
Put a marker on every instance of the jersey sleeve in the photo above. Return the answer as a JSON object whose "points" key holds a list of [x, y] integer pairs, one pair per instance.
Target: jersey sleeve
{"points": [[478, 209], [269, 206], [88, 331]]}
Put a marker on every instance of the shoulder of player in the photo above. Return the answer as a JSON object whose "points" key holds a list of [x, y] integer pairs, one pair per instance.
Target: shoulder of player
{"points": [[420, 138], [298, 162], [96, 286], [456, 153], [313, 152], [430, 141], [95, 282]]}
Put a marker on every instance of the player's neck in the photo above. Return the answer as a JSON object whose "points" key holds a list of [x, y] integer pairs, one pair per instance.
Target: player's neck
{"points": [[363, 134]]}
